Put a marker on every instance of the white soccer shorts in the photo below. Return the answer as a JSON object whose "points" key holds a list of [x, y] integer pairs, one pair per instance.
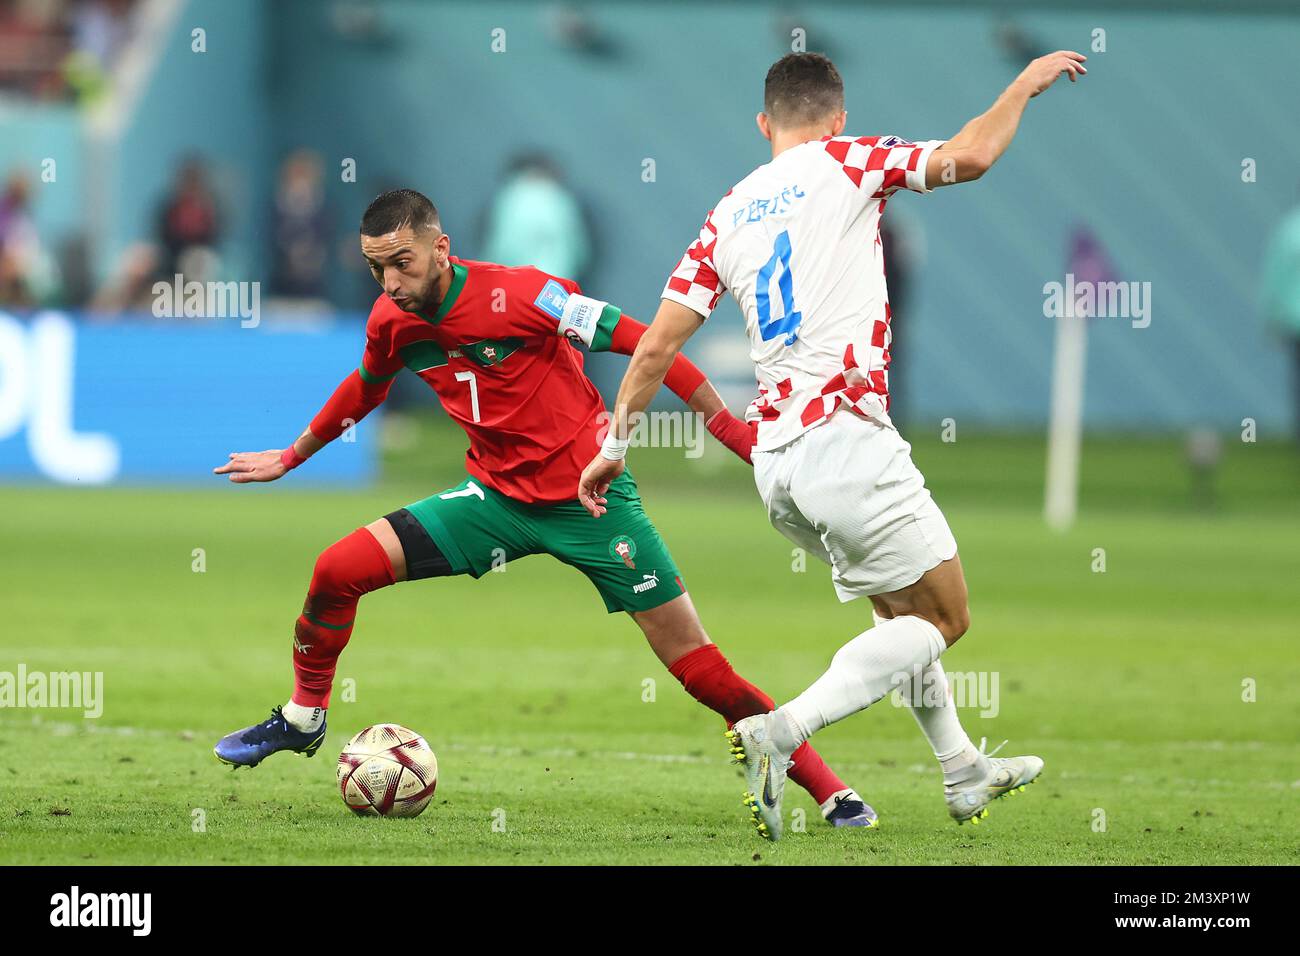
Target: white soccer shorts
{"points": [[848, 492]]}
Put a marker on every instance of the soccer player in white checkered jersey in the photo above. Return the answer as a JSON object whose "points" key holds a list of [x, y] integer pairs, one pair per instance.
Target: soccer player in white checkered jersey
{"points": [[797, 243]]}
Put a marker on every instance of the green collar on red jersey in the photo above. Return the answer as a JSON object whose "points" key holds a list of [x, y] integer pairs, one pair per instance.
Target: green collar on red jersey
{"points": [[458, 275]]}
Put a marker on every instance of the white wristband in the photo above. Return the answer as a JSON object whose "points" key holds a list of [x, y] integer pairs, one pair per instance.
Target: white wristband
{"points": [[614, 449]]}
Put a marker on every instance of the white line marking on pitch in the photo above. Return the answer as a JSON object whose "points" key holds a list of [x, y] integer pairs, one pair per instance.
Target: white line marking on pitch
{"points": [[66, 728]]}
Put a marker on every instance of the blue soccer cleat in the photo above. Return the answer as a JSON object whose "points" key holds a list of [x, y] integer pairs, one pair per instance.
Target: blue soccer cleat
{"points": [[852, 813], [252, 745]]}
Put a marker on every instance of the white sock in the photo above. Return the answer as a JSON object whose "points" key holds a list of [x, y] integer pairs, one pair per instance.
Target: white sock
{"points": [[930, 699], [861, 672], [830, 803], [304, 719], [936, 715]]}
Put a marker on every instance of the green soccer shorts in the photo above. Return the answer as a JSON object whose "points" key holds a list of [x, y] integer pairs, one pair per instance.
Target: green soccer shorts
{"points": [[474, 529]]}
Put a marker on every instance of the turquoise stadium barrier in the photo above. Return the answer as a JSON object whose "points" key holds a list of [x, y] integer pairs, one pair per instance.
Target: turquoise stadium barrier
{"points": [[1147, 153]]}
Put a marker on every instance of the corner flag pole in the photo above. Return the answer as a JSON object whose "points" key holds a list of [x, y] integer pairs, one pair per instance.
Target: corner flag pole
{"points": [[1065, 428]]}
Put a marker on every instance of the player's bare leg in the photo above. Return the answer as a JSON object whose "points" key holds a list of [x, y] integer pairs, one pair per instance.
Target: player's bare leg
{"points": [[383, 533], [678, 639], [365, 560], [673, 630], [913, 626], [939, 597]]}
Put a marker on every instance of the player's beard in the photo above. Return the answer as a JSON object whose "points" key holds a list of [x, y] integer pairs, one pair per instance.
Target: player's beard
{"points": [[427, 300]]}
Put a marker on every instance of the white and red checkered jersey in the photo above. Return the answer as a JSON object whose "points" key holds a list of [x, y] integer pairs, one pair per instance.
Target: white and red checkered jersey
{"points": [[797, 242]]}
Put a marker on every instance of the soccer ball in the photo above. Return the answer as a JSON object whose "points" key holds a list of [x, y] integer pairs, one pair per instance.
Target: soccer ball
{"points": [[387, 771]]}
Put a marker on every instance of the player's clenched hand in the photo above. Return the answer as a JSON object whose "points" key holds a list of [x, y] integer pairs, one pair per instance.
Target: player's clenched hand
{"points": [[595, 481], [245, 466], [1042, 73]]}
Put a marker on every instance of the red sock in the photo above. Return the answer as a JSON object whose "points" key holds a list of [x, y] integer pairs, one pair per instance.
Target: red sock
{"points": [[347, 569], [710, 679]]}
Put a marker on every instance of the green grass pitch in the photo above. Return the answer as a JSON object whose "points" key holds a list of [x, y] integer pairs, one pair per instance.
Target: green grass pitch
{"points": [[1128, 682]]}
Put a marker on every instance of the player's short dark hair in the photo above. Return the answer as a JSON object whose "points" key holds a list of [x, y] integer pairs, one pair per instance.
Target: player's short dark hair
{"points": [[397, 209], [802, 88]]}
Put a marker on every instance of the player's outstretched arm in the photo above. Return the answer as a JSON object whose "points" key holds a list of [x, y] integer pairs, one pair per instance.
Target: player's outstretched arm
{"points": [[352, 401], [980, 143], [672, 326], [246, 466], [685, 380]]}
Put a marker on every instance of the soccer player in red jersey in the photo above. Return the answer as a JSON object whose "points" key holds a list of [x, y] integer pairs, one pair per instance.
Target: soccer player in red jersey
{"points": [[498, 345]]}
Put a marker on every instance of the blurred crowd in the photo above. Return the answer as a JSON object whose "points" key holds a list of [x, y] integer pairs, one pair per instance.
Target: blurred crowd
{"points": [[187, 232], [532, 217], [304, 256]]}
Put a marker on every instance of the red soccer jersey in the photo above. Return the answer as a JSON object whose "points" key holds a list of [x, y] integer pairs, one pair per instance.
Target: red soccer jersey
{"points": [[499, 355]]}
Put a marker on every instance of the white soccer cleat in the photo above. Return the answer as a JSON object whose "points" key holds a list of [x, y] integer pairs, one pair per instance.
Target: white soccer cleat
{"points": [[1007, 775], [764, 766]]}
